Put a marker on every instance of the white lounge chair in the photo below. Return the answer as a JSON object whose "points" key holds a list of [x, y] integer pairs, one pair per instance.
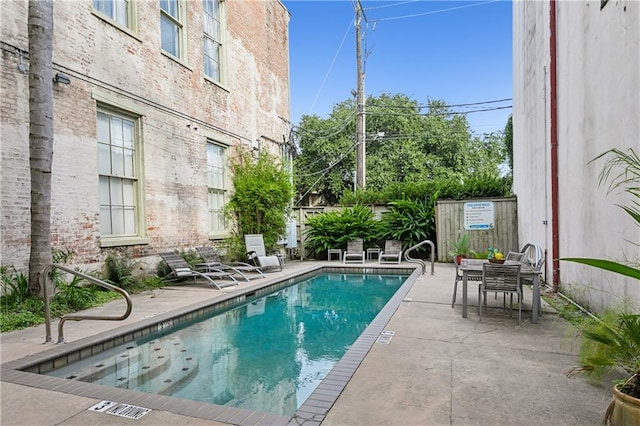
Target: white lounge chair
{"points": [[257, 254], [354, 252], [392, 252]]}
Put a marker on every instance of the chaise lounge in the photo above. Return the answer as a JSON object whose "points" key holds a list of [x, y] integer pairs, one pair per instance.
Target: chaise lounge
{"points": [[180, 270]]}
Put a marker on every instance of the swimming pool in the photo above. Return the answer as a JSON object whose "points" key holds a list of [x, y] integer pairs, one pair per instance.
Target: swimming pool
{"points": [[315, 406], [265, 355]]}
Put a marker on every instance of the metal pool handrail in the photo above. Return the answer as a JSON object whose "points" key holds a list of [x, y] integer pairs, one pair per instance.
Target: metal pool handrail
{"points": [[47, 274], [408, 258]]}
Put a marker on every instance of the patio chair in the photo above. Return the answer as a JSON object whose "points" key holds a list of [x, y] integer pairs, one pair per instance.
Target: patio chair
{"points": [[180, 270], [533, 255], [503, 279], [211, 260], [392, 252], [257, 254], [515, 256], [354, 252], [458, 278]]}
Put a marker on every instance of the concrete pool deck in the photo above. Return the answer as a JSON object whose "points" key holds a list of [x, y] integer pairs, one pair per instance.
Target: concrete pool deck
{"points": [[437, 369]]}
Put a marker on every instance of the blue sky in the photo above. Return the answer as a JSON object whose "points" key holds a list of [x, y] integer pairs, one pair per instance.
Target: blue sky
{"points": [[456, 51]]}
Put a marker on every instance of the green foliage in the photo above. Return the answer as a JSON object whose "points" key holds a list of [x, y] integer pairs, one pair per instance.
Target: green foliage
{"points": [[118, 270], [614, 341], [15, 286], [456, 188], [461, 247], [404, 146], [191, 256], [262, 195], [25, 314], [73, 296], [334, 228], [609, 343], [508, 141], [410, 222], [62, 255]]}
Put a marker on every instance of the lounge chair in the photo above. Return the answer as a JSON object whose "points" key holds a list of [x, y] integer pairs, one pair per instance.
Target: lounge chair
{"points": [[180, 270], [257, 254], [354, 252], [392, 252], [211, 260]]}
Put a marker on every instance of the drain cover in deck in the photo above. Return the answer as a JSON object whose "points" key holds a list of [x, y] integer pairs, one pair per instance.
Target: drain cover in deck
{"points": [[385, 337]]}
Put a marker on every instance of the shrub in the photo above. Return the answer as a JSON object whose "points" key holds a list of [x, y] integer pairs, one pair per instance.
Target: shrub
{"points": [[73, 296], [333, 229], [118, 270], [15, 287], [262, 193], [410, 222]]}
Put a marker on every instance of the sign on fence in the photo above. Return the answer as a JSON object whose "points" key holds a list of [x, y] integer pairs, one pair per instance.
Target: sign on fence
{"points": [[479, 215]]}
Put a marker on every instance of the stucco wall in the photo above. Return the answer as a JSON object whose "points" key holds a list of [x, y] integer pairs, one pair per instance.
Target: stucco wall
{"points": [[598, 101], [179, 109]]}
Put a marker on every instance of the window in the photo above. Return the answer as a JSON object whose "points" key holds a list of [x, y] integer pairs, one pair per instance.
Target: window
{"points": [[120, 11], [119, 191], [212, 28], [172, 27], [216, 187]]}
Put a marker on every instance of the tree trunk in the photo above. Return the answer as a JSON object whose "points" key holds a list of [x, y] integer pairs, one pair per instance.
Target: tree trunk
{"points": [[40, 26]]}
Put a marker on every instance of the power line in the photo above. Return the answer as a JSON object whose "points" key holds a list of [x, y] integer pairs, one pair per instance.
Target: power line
{"points": [[324, 80], [374, 112], [436, 11]]}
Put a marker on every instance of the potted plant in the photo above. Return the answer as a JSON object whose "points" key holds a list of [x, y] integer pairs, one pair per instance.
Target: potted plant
{"points": [[460, 248], [613, 342]]}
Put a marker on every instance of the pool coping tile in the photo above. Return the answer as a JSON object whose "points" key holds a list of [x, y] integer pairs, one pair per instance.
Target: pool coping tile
{"points": [[311, 412]]}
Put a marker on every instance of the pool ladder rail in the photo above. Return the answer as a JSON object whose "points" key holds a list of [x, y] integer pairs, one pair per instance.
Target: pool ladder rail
{"points": [[47, 274], [408, 257]]}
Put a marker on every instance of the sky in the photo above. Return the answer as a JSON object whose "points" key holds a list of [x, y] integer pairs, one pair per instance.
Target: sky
{"points": [[459, 52]]}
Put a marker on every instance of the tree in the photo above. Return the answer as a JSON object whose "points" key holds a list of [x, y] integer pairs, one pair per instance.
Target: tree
{"points": [[404, 145], [262, 193], [40, 27], [508, 141]]}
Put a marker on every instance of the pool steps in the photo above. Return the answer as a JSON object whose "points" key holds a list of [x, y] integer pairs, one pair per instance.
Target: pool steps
{"points": [[157, 370]]}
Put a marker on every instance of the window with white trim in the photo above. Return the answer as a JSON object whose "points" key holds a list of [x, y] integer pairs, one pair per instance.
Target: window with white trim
{"points": [[216, 159], [172, 24], [119, 11], [213, 47], [119, 177]]}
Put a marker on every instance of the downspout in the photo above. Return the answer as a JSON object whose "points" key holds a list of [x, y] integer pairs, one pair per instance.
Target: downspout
{"points": [[553, 99]]}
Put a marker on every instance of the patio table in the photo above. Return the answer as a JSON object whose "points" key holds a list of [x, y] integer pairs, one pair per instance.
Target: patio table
{"points": [[474, 268]]}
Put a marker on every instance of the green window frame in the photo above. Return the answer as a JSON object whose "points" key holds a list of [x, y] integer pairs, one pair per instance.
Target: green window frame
{"points": [[119, 179], [118, 12], [216, 187], [213, 47], [172, 28]]}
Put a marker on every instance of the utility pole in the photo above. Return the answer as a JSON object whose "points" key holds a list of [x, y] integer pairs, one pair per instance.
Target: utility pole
{"points": [[360, 108]]}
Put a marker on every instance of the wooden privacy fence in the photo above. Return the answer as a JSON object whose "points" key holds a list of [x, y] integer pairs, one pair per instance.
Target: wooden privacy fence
{"points": [[501, 233], [490, 222]]}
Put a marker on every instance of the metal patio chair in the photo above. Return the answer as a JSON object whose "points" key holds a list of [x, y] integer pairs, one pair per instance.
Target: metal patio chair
{"points": [[503, 279], [354, 252], [392, 252], [211, 260], [180, 270]]}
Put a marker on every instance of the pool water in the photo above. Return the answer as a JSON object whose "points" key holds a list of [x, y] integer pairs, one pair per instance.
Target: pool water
{"points": [[266, 355]]}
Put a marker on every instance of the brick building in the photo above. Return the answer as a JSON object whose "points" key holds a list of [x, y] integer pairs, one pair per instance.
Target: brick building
{"points": [[161, 95]]}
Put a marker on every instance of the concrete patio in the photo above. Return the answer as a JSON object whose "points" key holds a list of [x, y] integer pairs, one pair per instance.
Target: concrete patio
{"points": [[438, 369]]}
